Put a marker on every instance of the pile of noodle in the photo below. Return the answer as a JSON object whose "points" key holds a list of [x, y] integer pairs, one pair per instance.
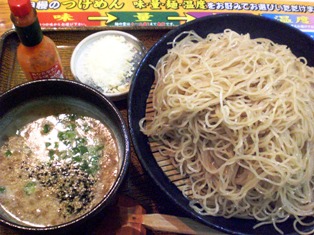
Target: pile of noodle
{"points": [[236, 115]]}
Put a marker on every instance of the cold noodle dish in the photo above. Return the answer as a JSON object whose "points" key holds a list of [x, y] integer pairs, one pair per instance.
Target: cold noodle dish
{"points": [[235, 116]]}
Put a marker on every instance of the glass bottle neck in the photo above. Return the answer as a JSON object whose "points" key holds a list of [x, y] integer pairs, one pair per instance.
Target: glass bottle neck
{"points": [[28, 29]]}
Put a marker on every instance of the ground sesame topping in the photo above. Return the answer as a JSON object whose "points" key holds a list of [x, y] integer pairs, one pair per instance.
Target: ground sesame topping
{"points": [[62, 173]]}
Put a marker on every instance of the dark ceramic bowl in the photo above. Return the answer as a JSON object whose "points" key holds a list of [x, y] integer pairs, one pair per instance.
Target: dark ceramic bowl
{"points": [[79, 97], [300, 44]]}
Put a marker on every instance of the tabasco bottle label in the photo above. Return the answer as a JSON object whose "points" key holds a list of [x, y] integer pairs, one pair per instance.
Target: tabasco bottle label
{"points": [[54, 72]]}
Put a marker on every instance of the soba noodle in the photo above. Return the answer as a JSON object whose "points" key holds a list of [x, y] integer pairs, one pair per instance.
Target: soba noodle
{"points": [[236, 115]]}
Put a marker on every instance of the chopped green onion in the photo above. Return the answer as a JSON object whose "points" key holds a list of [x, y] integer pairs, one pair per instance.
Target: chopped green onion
{"points": [[2, 189], [86, 128], [46, 128], [99, 147], [85, 166], [80, 141], [77, 158], [80, 150], [8, 153], [47, 144], [72, 117], [72, 127], [66, 135], [30, 188], [51, 153]]}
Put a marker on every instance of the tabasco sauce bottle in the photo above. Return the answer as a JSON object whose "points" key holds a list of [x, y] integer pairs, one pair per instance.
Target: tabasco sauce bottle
{"points": [[37, 54]]}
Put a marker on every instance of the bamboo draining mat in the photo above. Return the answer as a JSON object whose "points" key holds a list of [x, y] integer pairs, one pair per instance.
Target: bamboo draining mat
{"points": [[164, 162]]}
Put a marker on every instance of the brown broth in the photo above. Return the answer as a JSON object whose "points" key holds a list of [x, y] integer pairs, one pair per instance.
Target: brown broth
{"points": [[56, 168]]}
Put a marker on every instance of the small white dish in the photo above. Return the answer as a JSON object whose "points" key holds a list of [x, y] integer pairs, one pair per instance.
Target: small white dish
{"points": [[107, 60]]}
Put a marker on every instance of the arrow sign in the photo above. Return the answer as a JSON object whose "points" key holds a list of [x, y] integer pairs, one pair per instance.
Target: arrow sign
{"points": [[109, 18], [186, 17]]}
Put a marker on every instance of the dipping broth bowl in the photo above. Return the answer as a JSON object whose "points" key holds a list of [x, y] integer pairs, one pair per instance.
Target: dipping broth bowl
{"points": [[72, 172]]}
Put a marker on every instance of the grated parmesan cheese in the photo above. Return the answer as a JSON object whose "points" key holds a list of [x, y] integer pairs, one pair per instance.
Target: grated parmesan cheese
{"points": [[108, 64]]}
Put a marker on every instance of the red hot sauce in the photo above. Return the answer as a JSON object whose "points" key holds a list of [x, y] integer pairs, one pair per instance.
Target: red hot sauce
{"points": [[37, 54]]}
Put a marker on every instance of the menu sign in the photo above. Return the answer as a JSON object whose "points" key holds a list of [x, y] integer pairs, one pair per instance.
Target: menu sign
{"points": [[76, 13]]}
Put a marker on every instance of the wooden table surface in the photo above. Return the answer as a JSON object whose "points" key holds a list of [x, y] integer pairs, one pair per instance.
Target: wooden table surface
{"points": [[143, 189], [5, 22]]}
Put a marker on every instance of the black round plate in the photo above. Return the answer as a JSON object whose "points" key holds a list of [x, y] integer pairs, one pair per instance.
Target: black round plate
{"points": [[257, 26]]}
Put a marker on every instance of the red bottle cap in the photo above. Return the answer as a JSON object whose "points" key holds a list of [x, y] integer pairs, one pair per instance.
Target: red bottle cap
{"points": [[20, 8]]}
